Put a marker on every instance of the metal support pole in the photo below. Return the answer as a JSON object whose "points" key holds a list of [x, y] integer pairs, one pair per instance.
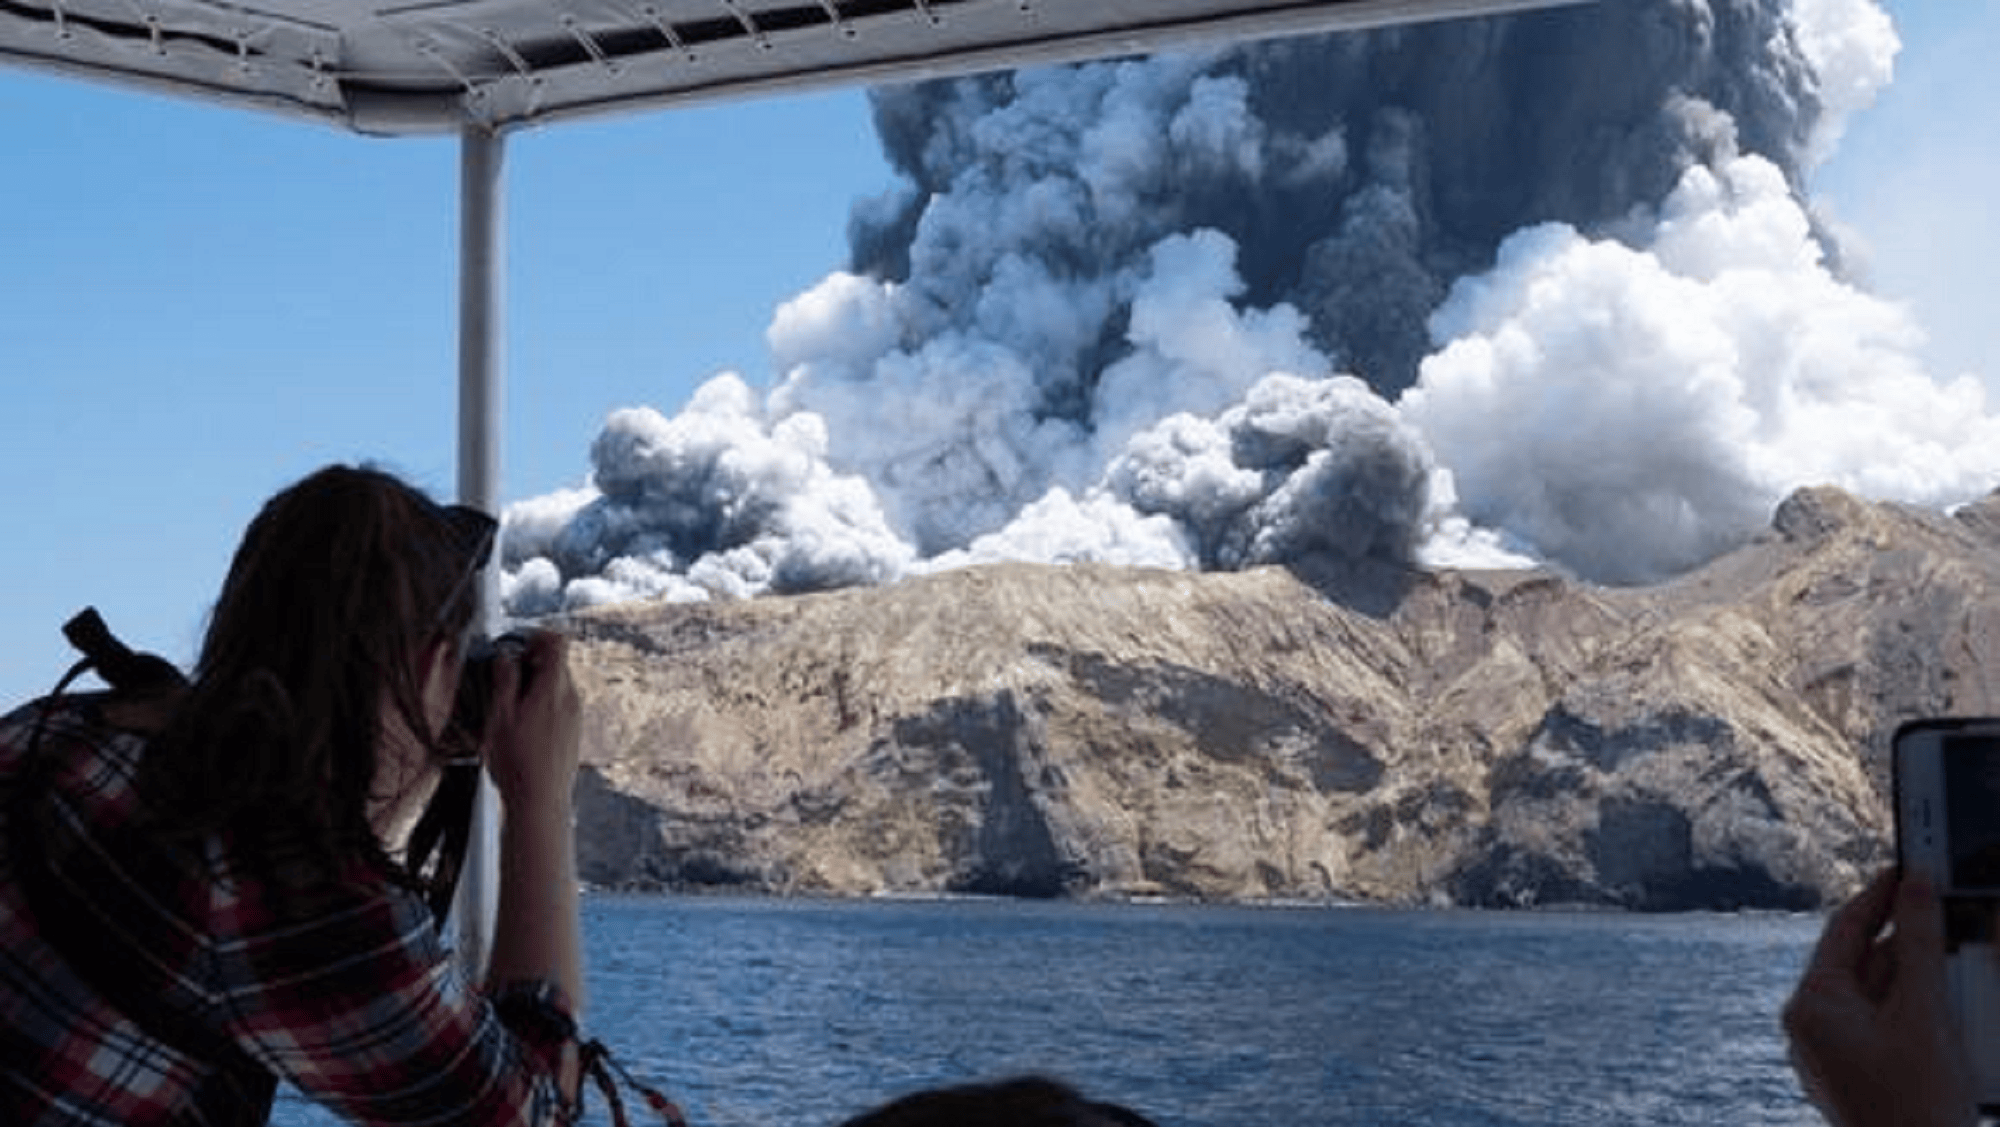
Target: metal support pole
{"points": [[481, 351], [481, 316]]}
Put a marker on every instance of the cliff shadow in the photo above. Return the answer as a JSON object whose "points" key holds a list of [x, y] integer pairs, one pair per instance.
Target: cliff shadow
{"points": [[1366, 584], [992, 822]]}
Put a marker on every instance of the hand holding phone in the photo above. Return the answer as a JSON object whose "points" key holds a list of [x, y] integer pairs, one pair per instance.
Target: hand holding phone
{"points": [[1947, 783], [1870, 1024]]}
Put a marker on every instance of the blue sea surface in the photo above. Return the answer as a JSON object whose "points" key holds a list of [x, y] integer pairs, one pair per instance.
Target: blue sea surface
{"points": [[768, 1012]]}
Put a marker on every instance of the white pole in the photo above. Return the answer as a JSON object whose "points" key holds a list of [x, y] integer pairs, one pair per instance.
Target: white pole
{"points": [[481, 351], [481, 315]]}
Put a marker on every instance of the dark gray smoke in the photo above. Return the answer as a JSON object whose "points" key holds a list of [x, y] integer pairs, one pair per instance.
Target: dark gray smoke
{"points": [[1358, 175], [1535, 288]]}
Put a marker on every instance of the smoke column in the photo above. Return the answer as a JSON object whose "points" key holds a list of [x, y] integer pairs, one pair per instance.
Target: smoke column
{"points": [[1541, 288]]}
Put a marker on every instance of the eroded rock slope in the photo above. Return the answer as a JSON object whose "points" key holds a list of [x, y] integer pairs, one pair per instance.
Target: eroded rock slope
{"points": [[1494, 738]]}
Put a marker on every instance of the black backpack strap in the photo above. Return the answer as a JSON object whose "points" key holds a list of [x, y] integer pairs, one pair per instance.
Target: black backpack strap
{"points": [[442, 835], [120, 667]]}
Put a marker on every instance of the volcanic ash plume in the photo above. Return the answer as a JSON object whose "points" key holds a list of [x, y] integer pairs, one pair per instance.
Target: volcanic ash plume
{"points": [[1483, 292]]}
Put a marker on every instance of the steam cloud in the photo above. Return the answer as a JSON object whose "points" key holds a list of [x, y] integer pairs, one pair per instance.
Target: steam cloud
{"points": [[1540, 288]]}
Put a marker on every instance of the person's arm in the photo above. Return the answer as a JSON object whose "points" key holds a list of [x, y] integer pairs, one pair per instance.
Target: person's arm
{"points": [[535, 936], [346, 990], [361, 1008], [532, 755], [1872, 1035]]}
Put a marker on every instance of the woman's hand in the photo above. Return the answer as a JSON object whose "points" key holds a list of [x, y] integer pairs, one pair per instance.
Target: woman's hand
{"points": [[532, 734], [1873, 1037], [532, 739]]}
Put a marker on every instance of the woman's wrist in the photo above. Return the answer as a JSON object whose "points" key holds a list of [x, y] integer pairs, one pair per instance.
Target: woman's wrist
{"points": [[550, 801], [536, 936], [548, 827]]}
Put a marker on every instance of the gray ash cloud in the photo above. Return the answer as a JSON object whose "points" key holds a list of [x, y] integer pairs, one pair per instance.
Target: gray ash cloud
{"points": [[1358, 175], [1541, 288]]}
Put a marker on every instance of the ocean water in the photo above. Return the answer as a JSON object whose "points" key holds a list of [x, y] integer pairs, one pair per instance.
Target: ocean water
{"points": [[769, 1012]]}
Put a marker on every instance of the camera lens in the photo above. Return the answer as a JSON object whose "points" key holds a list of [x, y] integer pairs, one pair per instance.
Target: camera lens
{"points": [[475, 683]]}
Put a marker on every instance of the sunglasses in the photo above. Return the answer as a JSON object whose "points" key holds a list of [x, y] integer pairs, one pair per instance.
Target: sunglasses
{"points": [[471, 533]]}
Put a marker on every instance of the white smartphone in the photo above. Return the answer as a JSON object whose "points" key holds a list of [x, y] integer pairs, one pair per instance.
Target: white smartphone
{"points": [[1947, 782]]}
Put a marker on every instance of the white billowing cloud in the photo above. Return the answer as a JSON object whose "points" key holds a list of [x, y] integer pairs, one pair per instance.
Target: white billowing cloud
{"points": [[1094, 322], [1184, 466], [1632, 412], [841, 326], [1451, 540], [1216, 127], [1096, 528], [1910, 185], [955, 434], [629, 578], [1193, 351], [1117, 114], [533, 526], [718, 499], [1852, 47], [1300, 467], [948, 435], [1220, 441]]}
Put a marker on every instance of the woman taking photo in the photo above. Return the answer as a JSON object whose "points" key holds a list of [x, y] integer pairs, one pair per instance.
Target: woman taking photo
{"points": [[203, 889]]}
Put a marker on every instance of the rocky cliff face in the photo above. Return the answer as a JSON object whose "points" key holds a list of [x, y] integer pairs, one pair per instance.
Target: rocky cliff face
{"points": [[1502, 739]]}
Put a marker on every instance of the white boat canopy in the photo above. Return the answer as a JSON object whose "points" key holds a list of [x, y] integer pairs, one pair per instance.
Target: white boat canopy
{"points": [[439, 66]]}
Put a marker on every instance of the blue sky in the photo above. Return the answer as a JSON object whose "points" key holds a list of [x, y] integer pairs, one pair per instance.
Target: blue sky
{"points": [[201, 304]]}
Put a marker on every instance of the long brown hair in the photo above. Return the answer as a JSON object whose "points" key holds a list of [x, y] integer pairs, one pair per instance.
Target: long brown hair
{"points": [[338, 587]]}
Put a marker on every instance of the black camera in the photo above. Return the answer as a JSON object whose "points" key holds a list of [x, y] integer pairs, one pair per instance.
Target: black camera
{"points": [[437, 846], [475, 684]]}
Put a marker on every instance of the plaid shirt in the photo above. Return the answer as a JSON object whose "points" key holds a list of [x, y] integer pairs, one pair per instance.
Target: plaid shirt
{"points": [[341, 987]]}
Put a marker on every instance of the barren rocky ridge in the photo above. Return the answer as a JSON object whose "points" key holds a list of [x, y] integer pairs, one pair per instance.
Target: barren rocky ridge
{"points": [[1343, 731]]}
